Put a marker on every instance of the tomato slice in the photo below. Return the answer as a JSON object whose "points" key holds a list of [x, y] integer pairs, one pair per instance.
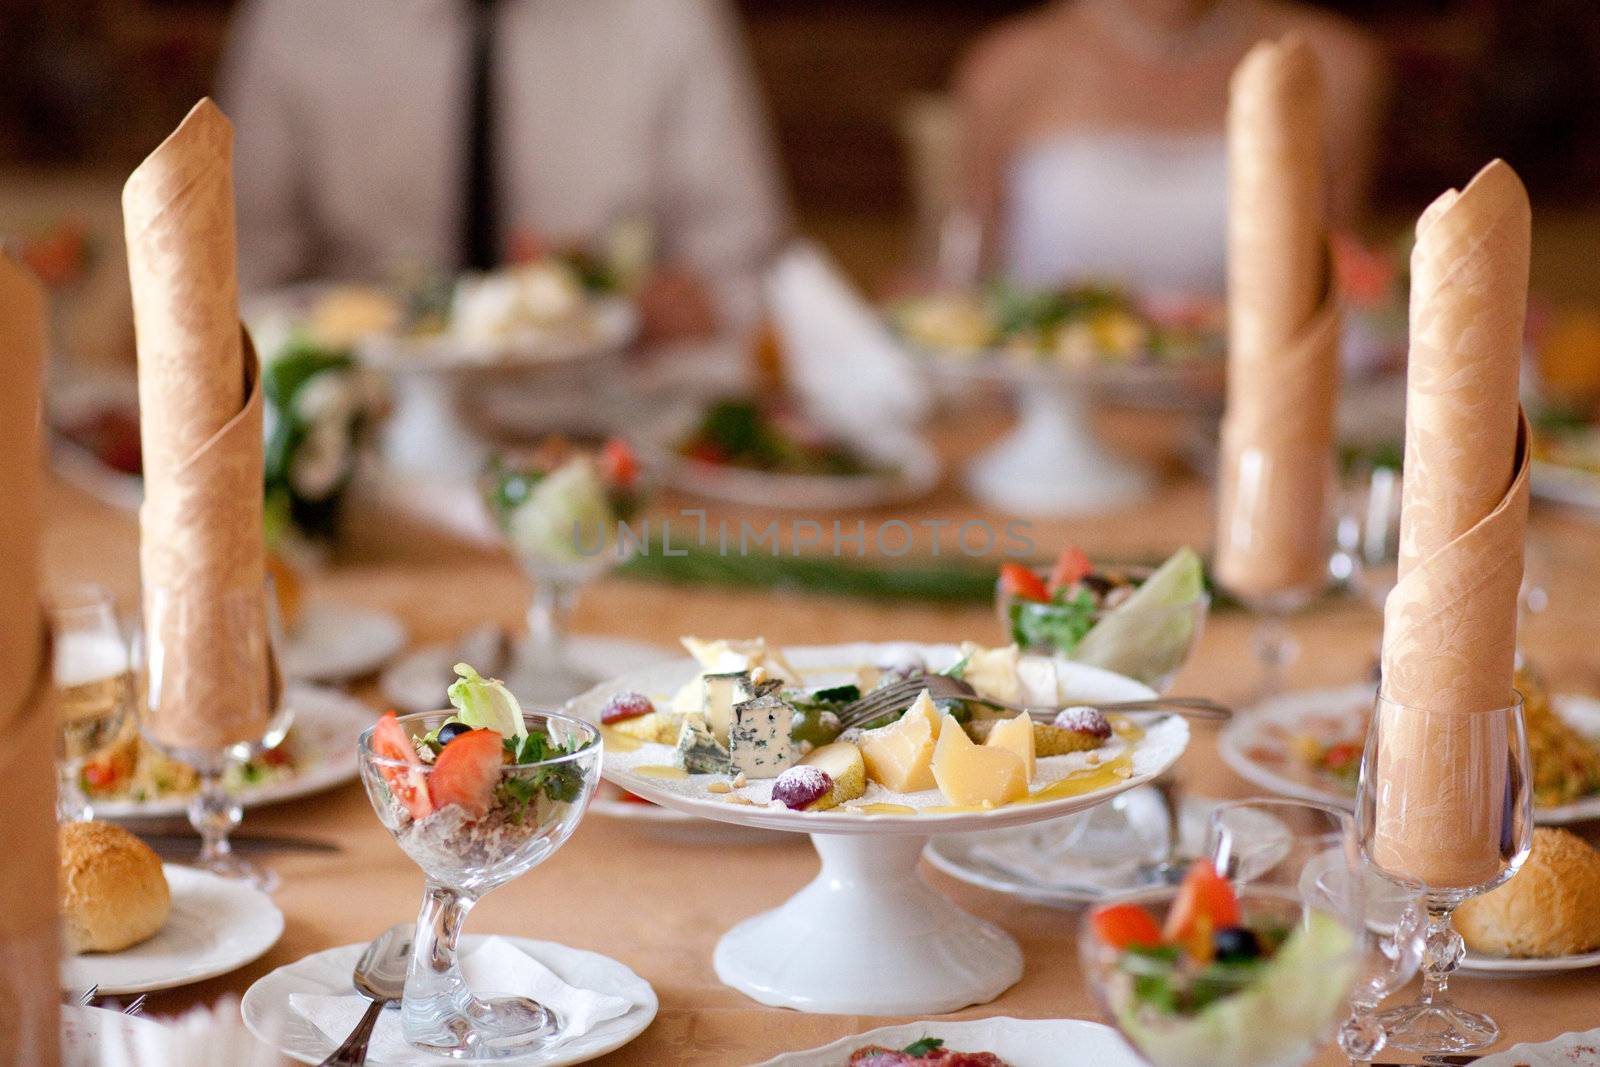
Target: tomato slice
{"points": [[1020, 583], [618, 464], [467, 771], [408, 785], [1205, 904], [1071, 566], [1122, 925]]}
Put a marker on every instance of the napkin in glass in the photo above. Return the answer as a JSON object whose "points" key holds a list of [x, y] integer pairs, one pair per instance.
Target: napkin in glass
{"points": [[493, 966]]}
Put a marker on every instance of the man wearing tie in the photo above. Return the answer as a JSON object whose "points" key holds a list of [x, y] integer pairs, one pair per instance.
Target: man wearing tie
{"points": [[374, 134]]}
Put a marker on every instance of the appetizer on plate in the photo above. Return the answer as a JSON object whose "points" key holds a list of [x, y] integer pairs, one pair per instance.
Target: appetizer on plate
{"points": [[744, 729], [1550, 909], [926, 1052], [132, 769], [1139, 623], [1079, 328], [559, 502], [772, 438]]}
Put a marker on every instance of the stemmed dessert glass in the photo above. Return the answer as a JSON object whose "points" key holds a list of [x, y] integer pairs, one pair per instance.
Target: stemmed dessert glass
{"points": [[563, 520], [1459, 782], [1306, 882], [94, 693], [1262, 492], [534, 808], [239, 693]]}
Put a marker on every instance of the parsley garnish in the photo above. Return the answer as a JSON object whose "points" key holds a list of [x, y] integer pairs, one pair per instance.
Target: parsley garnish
{"points": [[924, 1046], [562, 783]]}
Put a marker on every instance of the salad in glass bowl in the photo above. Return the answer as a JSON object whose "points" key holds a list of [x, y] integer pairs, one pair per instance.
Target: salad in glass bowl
{"points": [[1137, 622]]}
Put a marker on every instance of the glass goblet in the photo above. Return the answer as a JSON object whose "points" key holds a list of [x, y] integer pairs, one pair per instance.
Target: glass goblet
{"points": [[1274, 546], [1444, 808], [212, 698], [533, 807], [564, 511], [1255, 1011], [1397, 925], [94, 693]]}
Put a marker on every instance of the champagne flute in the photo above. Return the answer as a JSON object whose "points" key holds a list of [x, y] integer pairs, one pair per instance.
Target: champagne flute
{"points": [[1444, 808], [215, 714], [90, 670]]}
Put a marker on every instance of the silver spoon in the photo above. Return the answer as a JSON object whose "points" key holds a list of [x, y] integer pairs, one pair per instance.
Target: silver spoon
{"points": [[380, 976]]}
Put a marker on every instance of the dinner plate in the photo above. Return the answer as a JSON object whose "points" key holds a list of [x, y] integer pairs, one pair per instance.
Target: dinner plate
{"points": [[1578, 1049], [326, 726], [1565, 485], [1256, 744], [1019, 1042], [217, 925], [1037, 863], [1506, 966], [912, 470], [335, 642], [268, 1015]]}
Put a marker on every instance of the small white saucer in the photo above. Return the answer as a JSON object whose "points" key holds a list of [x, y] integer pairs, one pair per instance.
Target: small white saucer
{"points": [[417, 681], [1578, 1049], [334, 642], [268, 1015], [217, 925], [1019, 1042]]}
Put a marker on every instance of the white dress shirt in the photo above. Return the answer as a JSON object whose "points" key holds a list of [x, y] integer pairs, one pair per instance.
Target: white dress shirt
{"points": [[351, 130]]}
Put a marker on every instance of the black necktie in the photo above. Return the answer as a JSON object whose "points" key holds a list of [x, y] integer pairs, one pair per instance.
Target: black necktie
{"points": [[480, 235]]}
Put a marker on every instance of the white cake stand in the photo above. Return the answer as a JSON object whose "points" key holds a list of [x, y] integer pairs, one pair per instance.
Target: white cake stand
{"points": [[869, 935], [1052, 464]]}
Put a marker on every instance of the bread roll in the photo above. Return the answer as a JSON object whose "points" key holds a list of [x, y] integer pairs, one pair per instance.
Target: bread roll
{"points": [[1549, 908], [113, 891]]}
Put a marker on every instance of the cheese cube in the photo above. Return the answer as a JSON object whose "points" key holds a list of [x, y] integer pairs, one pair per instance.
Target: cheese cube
{"points": [[1016, 735], [900, 756], [697, 751], [758, 736], [977, 776], [992, 671]]}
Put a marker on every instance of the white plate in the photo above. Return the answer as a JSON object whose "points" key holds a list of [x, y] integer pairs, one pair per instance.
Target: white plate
{"points": [[1565, 485], [268, 1015], [1009, 861], [914, 470], [835, 664], [326, 726], [1568, 1050], [1256, 744], [1019, 1042], [334, 642], [217, 925]]}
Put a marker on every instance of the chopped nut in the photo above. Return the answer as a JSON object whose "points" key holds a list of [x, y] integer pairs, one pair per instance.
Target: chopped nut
{"points": [[758, 674], [1094, 759], [739, 781], [1123, 772], [719, 787], [739, 798]]}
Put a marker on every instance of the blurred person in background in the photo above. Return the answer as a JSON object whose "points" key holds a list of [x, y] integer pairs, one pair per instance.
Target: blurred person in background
{"points": [[1093, 135], [449, 134]]}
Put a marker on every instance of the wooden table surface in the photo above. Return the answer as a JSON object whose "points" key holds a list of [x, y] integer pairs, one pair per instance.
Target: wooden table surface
{"points": [[660, 906]]}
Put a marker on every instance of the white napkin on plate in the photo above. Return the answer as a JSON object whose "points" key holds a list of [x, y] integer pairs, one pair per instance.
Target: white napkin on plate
{"points": [[494, 966], [839, 354]]}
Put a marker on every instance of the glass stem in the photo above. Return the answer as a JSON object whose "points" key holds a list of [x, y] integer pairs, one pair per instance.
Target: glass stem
{"points": [[213, 814], [437, 997], [1441, 953], [547, 623], [1275, 649], [71, 804]]}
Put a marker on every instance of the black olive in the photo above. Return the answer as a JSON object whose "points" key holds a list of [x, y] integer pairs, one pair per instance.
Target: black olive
{"points": [[452, 730], [1100, 585], [1236, 943]]}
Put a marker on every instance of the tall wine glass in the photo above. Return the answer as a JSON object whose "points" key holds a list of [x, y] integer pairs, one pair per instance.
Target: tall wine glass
{"points": [[1274, 544], [1397, 923], [467, 846], [215, 713], [1445, 807], [90, 669], [563, 508]]}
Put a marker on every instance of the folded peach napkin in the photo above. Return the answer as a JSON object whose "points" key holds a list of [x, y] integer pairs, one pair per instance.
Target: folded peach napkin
{"points": [[1450, 625], [28, 938], [1283, 330], [201, 548]]}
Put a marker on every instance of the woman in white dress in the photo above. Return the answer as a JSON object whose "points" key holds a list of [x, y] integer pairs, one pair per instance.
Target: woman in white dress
{"points": [[1092, 135]]}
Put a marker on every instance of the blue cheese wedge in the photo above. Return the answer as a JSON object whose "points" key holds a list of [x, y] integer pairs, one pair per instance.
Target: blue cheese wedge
{"points": [[758, 736], [697, 751]]}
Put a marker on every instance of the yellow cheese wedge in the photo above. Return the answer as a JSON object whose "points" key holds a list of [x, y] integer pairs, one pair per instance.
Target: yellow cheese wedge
{"points": [[900, 756], [992, 671], [1015, 735], [972, 775]]}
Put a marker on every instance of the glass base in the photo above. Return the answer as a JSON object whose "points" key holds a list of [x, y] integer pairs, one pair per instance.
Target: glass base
{"points": [[1438, 1028], [231, 866], [487, 1028]]}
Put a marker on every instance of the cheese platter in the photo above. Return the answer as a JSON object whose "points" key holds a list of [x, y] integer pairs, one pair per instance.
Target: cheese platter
{"points": [[748, 734]]}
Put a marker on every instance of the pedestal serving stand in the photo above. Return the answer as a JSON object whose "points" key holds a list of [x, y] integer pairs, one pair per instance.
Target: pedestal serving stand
{"points": [[869, 935]]}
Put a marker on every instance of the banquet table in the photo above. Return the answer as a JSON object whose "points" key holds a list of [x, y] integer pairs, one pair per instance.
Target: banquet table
{"points": [[658, 905]]}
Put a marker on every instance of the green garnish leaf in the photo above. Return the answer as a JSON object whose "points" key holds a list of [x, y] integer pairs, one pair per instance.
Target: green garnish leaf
{"points": [[924, 1046]]}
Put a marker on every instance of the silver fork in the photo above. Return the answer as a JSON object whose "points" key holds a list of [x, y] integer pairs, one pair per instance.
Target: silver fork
{"points": [[896, 695]]}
